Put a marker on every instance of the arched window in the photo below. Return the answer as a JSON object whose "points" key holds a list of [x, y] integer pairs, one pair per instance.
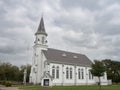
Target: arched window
{"points": [[53, 71], [79, 73], [92, 76], [42, 40], [34, 69], [70, 73], [57, 72], [104, 76], [67, 73], [89, 75], [38, 39], [82, 73]]}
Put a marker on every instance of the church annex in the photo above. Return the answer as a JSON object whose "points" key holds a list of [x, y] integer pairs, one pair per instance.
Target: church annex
{"points": [[56, 67]]}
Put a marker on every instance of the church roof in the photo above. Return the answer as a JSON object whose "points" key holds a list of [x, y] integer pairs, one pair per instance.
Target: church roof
{"points": [[65, 57], [41, 28]]}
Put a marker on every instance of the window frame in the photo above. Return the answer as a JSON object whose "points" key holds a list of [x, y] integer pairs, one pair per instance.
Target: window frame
{"points": [[67, 73], [53, 72], [43, 40], [57, 72], [71, 74], [82, 73], [79, 73]]}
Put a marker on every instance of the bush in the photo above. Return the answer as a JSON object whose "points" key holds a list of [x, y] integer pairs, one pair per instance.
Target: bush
{"points": [[0, 82], [8, 83], [3, 82]]}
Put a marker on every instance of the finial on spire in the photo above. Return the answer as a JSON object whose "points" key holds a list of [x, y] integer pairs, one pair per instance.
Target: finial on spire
{"points": [[41, 28]]}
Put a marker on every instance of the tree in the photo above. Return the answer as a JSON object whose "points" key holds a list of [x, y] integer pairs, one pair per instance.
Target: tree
{"points": [[8, 72], [23, 67], [98, 70], [12, 72], [112, 69]]}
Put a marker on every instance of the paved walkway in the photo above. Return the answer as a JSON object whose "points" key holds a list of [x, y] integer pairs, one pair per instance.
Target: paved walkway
{"points": [[9, 88]]}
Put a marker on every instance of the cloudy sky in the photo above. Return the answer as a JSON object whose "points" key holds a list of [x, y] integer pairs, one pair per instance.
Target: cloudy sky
{"points": [[90, 27]]}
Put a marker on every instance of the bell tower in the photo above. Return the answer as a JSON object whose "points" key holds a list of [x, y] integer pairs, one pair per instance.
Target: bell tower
{"points": [[41, 35], [40, 44]]}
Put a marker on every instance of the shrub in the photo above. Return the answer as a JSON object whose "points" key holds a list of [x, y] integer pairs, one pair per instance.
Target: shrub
{"points": [[0, 82], [3, 82], [8, 83]]}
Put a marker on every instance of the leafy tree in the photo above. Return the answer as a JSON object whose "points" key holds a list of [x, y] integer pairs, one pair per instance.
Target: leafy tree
{"points": [[23, 67], [9, 72], [15, 73], [98, 70], [113, 70], [5, 71]]}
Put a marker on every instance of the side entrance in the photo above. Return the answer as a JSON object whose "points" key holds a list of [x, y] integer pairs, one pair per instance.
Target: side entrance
{"points": [[46, 82]]}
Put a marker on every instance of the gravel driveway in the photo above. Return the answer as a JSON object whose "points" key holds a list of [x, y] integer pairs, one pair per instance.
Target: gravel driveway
{"points": [[9, 88]]}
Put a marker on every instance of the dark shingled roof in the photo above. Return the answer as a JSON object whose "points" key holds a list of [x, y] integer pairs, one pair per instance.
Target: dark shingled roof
{"points": [[64, 57], [41, 28]]}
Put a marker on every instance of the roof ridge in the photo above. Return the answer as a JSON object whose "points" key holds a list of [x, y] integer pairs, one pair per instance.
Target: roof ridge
{"points": [[67, 51]]}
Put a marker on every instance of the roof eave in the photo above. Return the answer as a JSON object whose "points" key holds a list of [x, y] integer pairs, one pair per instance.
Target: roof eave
{"points": [[41, 33]]}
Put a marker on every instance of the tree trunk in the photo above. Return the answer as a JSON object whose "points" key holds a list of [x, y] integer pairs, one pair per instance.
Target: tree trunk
{"points": [[99, 83]]}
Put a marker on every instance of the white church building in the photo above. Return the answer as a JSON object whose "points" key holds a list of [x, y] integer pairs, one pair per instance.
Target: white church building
{"points": [[57, 67]]}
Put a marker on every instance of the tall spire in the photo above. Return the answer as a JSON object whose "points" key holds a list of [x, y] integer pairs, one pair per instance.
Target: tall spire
{"points": [[41, 28]]}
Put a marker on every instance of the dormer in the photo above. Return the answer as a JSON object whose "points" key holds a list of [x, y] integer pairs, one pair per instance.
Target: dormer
{"points": [[64, 55], [75, 56]]}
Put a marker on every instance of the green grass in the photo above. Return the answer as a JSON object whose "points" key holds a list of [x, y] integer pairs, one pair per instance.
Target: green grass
{"points": [[112, 87]]}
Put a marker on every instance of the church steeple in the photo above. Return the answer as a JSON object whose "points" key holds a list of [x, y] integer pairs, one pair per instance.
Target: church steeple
{"points": [[41, 28], [41, 34]]}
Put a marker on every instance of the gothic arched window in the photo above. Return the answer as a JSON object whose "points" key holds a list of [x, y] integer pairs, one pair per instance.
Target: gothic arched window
{"points": [[57, 72], [38, 39], [79, 74], [34, 69], [67, 73], [104, 76], [70, 73], [89, 75], [42, 40], [53, 71], [82, 73]]}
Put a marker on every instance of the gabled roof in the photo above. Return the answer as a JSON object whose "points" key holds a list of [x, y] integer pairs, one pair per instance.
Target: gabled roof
{"points": [[46, 75], [41, 28], [64, 57]]}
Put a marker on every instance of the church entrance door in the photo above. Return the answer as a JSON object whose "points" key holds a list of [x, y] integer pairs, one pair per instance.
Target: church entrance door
{"points": [[46, 82]]}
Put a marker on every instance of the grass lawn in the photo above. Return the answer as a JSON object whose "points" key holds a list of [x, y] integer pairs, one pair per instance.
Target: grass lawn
{"points": [[112, 87]]}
